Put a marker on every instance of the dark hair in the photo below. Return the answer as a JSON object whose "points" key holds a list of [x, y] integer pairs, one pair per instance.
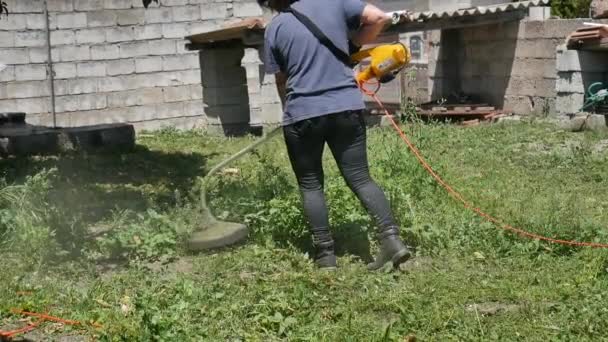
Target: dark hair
{"points": [[276, 5]]}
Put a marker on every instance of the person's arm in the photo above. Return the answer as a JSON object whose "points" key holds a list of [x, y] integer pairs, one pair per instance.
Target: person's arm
{"points": [[281, 81], [372, 22]]}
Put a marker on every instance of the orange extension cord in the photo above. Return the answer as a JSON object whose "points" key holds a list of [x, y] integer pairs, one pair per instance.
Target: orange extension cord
{"points": [[459, 197], [8, 335]]}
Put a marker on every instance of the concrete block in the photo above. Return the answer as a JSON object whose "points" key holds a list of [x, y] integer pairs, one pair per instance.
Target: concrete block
{"points": [[30, 72], [148, 32], [597, 123], [64, 70], [159, 15], [120, 34], [138, 81], [270, 113], [539, 13], [554, 28], [175, 2], [92, 101], [183, 77], [102, 52], [186, 13], [572, 60], [228, 114], [90, 36], [534, 68], [82, 86], [116, 4], [148, 64], [178, 93], [577, 82], [88, 5], [567, 103], [62, 37], [31, 6], [247, 9], [68, 20], [14, 56], [7, 39], [134, 49], [14, 22], [35, 22], [178, 30], [169, 110], [102, 18], [180, 62], [108, 84], [537, 48], [540, 87], [196, 92], [33, 105], [161, 47], [135, 16], [120, 67], [60, 6], [251, 56], [226, 96], [30, 38], [91, 69], [66, 103], [8, 75], [69, 53], [214, 11], [135, 97], [61, 87], [192, 108], [37, 55]]}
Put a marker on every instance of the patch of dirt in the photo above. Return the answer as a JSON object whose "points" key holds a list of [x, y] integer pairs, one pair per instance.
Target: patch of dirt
{"points": [[180, 265]]}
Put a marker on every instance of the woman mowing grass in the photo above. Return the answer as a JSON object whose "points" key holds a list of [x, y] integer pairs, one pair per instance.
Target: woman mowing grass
{"points": [[322, 104]]}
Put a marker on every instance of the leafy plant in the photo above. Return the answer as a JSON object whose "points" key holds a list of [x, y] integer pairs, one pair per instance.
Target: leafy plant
{"points": [[570, 9]]}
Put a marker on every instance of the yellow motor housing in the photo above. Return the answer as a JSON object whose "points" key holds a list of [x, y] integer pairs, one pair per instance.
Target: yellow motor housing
{"points": [[385, 59]]}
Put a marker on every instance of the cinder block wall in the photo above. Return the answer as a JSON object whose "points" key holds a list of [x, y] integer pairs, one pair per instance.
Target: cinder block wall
{"points": [[114, 61], [510, 65], [577, 71]]}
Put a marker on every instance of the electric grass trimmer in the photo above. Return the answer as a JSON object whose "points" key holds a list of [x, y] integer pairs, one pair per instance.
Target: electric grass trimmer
{"points": [[385, 62], [214, 233]]}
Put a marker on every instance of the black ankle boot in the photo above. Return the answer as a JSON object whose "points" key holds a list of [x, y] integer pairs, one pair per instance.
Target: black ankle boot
{"points": [[325, 258], [392, 249]]}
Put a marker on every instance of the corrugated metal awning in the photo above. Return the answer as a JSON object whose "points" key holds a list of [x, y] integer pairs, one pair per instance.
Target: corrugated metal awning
{"points": [[251, 31], [433, 20]]}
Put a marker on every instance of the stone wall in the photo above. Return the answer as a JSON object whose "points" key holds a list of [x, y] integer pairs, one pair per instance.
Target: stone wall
{"points": [[113, 60], [509, 65]]}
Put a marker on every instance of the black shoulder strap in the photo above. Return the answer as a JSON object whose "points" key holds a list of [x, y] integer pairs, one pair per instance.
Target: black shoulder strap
{"points": [[341, 55]]}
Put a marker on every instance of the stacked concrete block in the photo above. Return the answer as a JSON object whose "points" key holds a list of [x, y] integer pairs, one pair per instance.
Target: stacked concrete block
{"points": [[509, 65], [114, 61], [577, 71], [264, 101]]}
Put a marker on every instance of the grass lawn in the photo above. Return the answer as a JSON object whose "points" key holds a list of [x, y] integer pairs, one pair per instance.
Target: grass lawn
{"points": [[99, 239]]}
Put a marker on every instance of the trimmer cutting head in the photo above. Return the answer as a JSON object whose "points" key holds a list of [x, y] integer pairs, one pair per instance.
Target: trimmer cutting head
{"points": [[217, 234]]}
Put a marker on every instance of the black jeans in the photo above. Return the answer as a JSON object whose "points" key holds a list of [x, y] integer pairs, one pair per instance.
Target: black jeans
{"points": [[345, 134]]}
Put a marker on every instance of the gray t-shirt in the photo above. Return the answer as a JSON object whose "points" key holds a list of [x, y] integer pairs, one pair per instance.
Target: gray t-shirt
{"points": [[317, 82]]}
